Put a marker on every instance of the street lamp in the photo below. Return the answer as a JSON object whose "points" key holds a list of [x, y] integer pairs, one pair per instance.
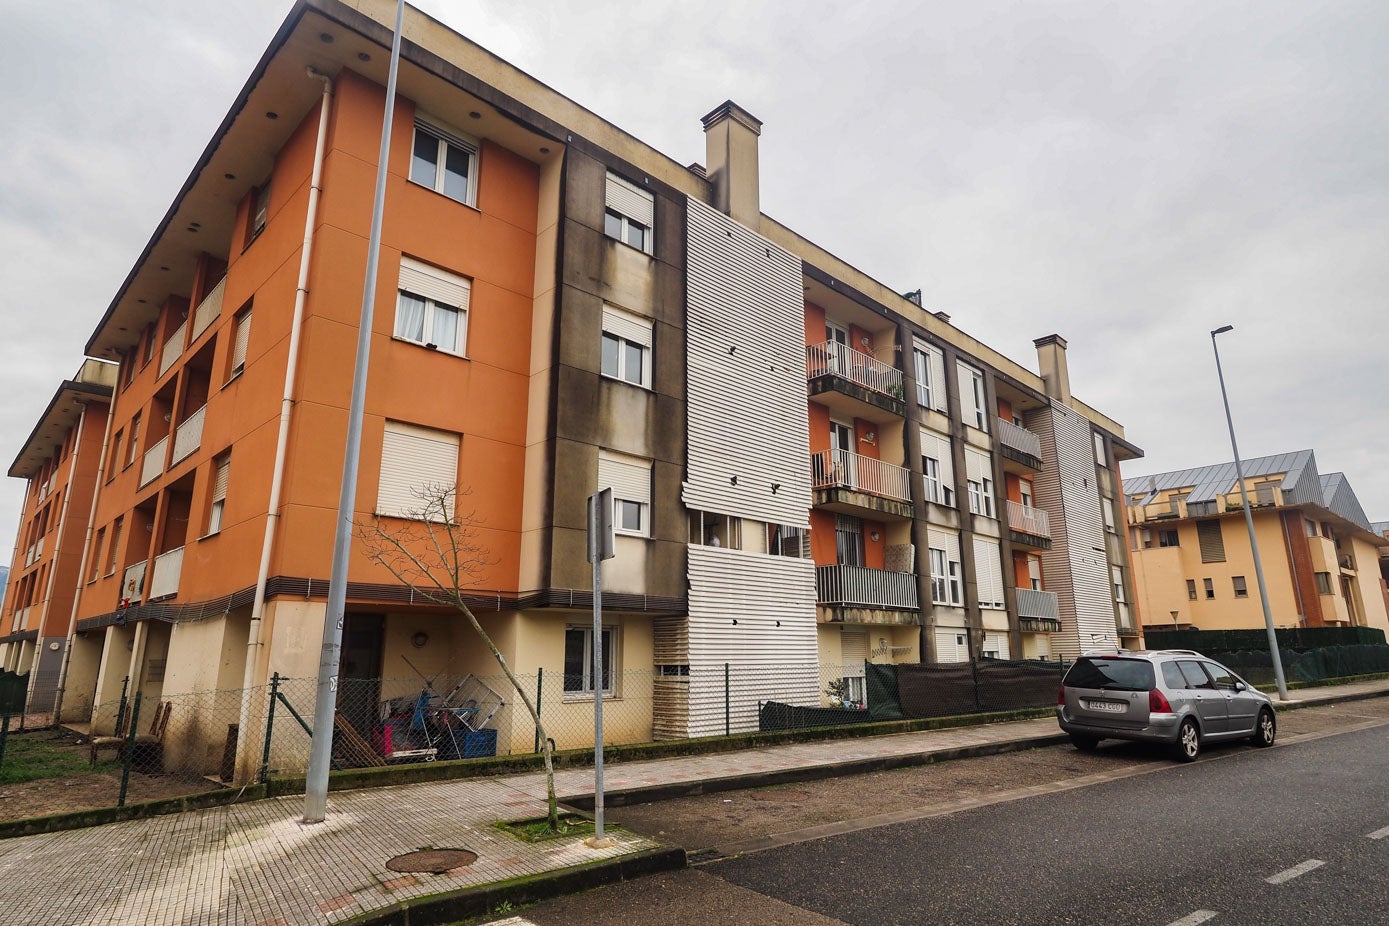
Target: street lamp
{"points": [[1249, 522]]}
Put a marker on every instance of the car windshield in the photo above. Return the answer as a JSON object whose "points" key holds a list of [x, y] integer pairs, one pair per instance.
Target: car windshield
{"points": [[1113, 674]]}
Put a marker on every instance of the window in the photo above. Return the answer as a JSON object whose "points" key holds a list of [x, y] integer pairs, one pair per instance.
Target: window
{"points": [[630, 214], [1191, 589], [95, 567], [113, 460], [1107, 511], [1241, 589], [1025, 493], [1310, 526], [260, 212], [848, 540], [988, 574], [116, 529], [929, 364], [937, 468], [1323, 583], [1168, 539], [1195, 676], [578, 660], [220, 473], [946, 587], [444, 164], [134, 439], [630, 480], [1222, 676], [1210, 587], [149, 344], [1100, 457], [783, 540], [1034, 573], [419, 472], [1116, 574], [432, 308], [973, 408], [242, 324], [1212, 542], [626, 347], [979, 481]]}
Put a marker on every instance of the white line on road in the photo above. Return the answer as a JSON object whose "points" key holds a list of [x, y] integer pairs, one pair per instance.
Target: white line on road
{"points": [[1295, 871], [1194, 919], [1378, 834]]}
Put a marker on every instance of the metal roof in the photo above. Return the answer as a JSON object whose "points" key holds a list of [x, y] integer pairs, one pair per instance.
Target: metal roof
{"points": [[1300, 481], [1340, 498]]}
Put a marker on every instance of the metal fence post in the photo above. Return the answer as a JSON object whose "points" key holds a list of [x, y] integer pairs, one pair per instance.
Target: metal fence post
{"points": [[269, 728], [4, 735], [129, 751], [120, 711], [727, 710], [539, 690]]}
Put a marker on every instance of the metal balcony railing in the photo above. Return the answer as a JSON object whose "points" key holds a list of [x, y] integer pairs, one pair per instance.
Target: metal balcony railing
{"points": [[1033, 603], [173, 348], [167, 567], [189, 435], [208, 309], [834, 359], [22, 618], [153, 463], [841, 469], [133, 582], [1029, 520], [1019, 438], [858, 586]]}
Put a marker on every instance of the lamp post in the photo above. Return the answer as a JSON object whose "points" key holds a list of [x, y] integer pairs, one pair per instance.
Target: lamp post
{"points": [[1249, 522]]}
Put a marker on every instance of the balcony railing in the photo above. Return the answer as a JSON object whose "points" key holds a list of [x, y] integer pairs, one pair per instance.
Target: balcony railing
{"points": [[831, 469], [189, 435], [173, 348], [153, 463], [860, 587], [22, 618], [1036, 604], [834, 359], [208, 309], [133, 582], [1019, 438], [1124, 625], [1158, 511], [167, 567], [1028, 520]]}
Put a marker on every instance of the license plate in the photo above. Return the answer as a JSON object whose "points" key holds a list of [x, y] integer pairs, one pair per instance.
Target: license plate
{"points": [[1110, 707]]}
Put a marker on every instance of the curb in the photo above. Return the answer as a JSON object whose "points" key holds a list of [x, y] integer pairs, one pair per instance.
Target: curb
{"points": [[452, 906], [1297, 704]]}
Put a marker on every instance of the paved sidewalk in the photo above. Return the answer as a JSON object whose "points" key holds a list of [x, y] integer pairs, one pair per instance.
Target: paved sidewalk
{"points": [[256, 865]]}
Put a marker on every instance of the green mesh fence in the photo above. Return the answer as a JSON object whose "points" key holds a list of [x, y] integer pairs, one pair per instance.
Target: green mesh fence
{"points": [[1312, 665], [1230, 641]]}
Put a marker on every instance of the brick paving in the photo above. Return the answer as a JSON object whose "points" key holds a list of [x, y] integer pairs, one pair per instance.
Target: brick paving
{"points": [[255, 864]]}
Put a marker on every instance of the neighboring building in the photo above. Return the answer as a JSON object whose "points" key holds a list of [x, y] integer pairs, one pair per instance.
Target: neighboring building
{"points": [[560, 307], [1193, 566], [1382, 529], [60, 460]]}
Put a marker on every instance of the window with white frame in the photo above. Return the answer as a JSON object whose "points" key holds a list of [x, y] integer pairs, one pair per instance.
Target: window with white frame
{"points": [[929, 364], [241, 338], [221, 472], [1034, 573], [1100, 456], [116, 530], [937, 468], [1107, 511], [419, 472], [444, 163], [1025, 493], [629, 214], [432, 308], [134, 439], [626, 347], [988, 574], [946, 586], [1117, 575], [630, 479], [260, 212], [979, 480], [578, 660], [973, 406]]}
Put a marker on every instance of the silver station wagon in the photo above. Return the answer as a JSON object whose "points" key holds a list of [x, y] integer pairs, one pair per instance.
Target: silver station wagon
{"points": [[1176, 697]]}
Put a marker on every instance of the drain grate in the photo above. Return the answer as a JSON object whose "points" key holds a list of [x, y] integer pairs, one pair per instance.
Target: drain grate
{"points": [[432, 861]]}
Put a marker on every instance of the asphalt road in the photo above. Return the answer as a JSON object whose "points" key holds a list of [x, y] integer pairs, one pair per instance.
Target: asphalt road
{"points": [[1148, 842]]}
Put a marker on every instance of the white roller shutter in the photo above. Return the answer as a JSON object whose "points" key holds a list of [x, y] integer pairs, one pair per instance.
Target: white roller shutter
{"points": [[627, 326], [970, 409], [630, 200], [935, 363], [243, 337], [952, 644], [988, 574], [996, 644], [628, 477], [937, 447], [219, 479], [853, 645], [433, 283], [415, 458], [944, 540], [978, 467]]}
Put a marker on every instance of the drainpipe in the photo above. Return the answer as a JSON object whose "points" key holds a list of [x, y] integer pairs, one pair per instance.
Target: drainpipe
{"points": [[255, 641], [57, 539], [86, 546]]}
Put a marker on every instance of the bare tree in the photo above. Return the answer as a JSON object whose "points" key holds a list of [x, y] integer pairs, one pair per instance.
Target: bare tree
{"points": [[436, 553]]}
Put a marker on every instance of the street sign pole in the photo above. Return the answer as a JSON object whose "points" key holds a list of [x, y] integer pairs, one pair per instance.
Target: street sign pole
{"points": [[600, 547]]}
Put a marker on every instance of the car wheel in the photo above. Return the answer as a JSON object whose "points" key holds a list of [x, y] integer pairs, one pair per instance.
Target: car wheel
{"points": [[1188, 741], [1085, 743], [1265, 729]]}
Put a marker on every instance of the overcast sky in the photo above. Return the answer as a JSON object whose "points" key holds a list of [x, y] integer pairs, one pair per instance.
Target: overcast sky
{"points": [[1129, 176]]}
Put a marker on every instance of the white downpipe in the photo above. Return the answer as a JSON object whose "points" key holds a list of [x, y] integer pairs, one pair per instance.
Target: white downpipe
{"points": [[86, 548], [254, 641]]}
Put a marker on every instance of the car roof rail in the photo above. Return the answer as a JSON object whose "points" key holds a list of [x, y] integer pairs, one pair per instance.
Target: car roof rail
{"points": [[1182, 652]]}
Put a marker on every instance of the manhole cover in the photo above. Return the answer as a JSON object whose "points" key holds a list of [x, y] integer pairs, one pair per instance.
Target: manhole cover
{"points": [[790, 796], [433, 861]]}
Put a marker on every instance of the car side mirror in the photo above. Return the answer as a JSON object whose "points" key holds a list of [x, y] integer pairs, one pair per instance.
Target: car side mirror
{"points": [[1240, 686]]}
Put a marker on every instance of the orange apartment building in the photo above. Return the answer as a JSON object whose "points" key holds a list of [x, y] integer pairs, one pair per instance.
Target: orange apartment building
{"points": [[1192, 560], [810, 469]]}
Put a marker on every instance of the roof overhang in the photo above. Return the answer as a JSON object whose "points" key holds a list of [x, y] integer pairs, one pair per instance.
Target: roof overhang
{"points": [[57, 420]]}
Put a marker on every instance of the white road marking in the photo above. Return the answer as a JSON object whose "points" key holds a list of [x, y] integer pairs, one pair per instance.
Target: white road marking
{"points": [[1378, 834], [1194, 919], [1295, 871]]}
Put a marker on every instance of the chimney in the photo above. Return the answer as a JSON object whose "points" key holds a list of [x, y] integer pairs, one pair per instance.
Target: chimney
{"points": [[1051, 361], [943, 316], [730, 140]]}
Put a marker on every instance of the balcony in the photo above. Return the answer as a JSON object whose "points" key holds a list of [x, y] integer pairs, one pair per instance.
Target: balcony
{"points": [[857, 594], [1019, 447], [167, 567], [868, 386], [173, 348], [1164, 510], [153, 464], [1028, 526], [133, 583], [1124, 624], [189, 435], [1038, 611], [851, 483], [208, 309]]}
